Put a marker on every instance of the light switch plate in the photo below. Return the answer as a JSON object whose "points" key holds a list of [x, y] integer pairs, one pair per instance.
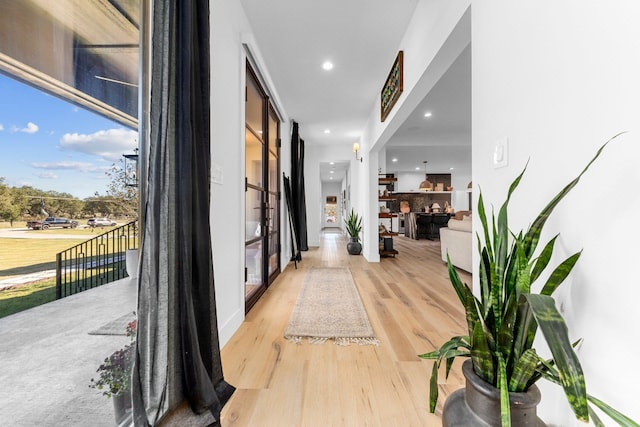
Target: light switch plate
{"points": [[501, 153], [216, 172]]}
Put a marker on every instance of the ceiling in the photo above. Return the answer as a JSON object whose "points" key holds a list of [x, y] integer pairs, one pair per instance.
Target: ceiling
{"points": [[444, 138], [362, 39]]}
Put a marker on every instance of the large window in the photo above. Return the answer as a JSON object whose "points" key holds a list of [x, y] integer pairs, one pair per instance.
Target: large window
{"points": [[86, 52]]}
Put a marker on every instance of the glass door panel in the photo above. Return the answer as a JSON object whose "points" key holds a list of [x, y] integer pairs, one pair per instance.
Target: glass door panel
{"points": [[274, 131], [274, 233], [262, 189], [253, 159], [253, 216], [254, 107], [253, 263], [273, 173], [274, 195]]}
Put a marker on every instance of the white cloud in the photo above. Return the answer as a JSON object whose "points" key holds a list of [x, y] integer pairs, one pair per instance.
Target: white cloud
{"points": [[109, 144], [31, 128], [1, 127], [73, 166], [47, 175]]}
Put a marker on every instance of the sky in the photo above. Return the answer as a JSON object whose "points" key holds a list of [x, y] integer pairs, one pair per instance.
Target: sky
{"points": [[51, 144]]}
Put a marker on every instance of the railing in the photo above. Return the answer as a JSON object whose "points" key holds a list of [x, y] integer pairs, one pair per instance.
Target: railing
{"points": [[95, 262]]}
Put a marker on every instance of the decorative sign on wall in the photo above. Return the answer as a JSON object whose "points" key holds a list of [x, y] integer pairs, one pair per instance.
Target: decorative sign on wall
{"points": [[392, 88]]}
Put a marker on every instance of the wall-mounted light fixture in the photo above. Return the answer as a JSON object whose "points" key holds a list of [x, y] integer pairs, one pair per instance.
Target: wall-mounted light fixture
{"points": [[356, 149], [131, 169]]}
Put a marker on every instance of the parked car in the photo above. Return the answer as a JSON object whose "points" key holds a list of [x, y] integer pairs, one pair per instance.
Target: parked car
{"points": [[100, 222], [52, 222]]}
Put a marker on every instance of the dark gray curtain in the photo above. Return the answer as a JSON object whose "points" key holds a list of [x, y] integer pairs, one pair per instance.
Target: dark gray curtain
{"points": [[295, 253], [297, 188], [178, 354]]}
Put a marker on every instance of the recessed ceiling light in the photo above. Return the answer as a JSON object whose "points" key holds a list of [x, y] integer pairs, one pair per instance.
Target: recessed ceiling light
{"points": [[327, 65], [332, 163], [450, 169], [327, 131], [330, 177], [418, 168], [394, 160], [330, 171], [427, 114]]}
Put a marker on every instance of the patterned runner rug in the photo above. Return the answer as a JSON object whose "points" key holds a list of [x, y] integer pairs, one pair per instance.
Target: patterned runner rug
{"points": [[329, 308]]}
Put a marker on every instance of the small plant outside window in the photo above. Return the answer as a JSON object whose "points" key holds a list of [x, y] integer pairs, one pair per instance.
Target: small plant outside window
{"points": [[114, 377]]}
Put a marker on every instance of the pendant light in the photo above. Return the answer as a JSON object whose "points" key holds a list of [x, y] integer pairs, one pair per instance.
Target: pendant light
{"points": [[426, 184]]}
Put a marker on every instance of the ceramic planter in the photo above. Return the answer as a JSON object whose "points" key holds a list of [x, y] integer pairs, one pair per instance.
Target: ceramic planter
{"points": [[131, 262], [478, 404], [121, 406], [354, 247]]}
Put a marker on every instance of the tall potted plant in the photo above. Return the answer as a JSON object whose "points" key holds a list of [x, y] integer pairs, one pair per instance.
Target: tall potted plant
{"points": [[354, 227], [502, 323]]}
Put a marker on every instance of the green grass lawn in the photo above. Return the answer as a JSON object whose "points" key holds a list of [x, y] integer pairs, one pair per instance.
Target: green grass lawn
{"points": [[27, 296], [25, 256]]}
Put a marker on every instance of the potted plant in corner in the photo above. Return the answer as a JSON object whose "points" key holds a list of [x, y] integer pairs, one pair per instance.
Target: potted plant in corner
{"points": [[354, 227], [502, 323], [114, 380]]}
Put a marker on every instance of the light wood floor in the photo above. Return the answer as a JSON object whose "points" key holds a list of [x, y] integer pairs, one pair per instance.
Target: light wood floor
{"points": [[413, 309]]}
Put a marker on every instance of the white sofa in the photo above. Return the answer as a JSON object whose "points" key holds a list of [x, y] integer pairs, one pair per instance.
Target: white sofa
{"points": [[456, 239]]}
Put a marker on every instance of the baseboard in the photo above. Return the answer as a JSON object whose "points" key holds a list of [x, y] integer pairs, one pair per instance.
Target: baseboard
{"points": [[226, 331]]}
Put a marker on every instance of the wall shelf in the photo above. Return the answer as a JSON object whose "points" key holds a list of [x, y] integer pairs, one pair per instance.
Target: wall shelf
{"points": [[386, 180], [386, 238], [396, 195], [388, 234]]}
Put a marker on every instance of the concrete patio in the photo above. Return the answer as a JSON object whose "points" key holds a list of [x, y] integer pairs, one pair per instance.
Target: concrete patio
{"points": [[48, 357]]}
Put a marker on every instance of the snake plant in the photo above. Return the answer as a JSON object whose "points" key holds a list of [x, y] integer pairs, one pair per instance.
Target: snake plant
{"points": [[504, 319], [354, 225]]}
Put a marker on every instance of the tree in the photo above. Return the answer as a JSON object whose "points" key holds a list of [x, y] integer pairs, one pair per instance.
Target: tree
{"points": [[29, 205], [9, 210], [68, 205], [102, 206], [124, 197]]}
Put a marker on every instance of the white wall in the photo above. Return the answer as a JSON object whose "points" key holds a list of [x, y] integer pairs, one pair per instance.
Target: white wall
{"points": [[558, 79], [227, 135], [229, 30]]}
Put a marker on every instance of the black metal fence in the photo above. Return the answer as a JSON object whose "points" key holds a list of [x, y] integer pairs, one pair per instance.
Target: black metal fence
{"points": [[95, 262]]}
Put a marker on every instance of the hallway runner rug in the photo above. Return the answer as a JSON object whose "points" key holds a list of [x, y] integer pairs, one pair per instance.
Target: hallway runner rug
{"points": [[329, 308]]}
